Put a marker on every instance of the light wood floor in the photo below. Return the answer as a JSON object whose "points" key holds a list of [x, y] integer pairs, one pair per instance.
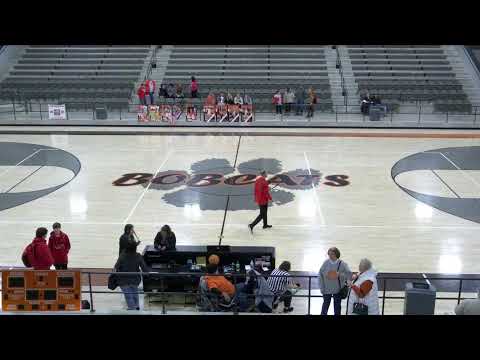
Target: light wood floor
{"points": [[372, 217]]}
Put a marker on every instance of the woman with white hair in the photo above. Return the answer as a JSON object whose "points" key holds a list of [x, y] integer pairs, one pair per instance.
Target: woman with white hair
{"points": [[363, 298]]}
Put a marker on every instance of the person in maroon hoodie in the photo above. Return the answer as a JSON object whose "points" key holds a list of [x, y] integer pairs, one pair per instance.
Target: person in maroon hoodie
{"points": [[37, 252], [262, 197], [59, 245]]}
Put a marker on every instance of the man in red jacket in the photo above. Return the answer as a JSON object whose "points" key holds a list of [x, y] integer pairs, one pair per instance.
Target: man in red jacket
{"points": [[38, 253], [141, 94], [59, 245], [150, 87], [262, 197]]}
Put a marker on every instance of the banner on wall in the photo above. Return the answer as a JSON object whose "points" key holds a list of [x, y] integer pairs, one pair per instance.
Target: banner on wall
{"points": [[57, 112]]}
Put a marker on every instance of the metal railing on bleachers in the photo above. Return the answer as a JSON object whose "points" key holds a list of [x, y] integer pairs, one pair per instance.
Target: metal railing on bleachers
{"points": [[454, 114]]}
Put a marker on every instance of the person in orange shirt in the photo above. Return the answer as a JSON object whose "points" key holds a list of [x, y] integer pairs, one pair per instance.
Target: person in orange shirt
{"points": [[211, 101], [218, 282]]}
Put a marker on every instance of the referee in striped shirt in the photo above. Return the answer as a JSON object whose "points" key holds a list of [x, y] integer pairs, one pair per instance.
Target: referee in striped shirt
{"points": [[280, 284]]}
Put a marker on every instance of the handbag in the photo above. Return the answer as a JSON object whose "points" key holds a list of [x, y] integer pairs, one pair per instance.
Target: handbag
{"points": [[343, 290], [360, 309], [113, 280]]}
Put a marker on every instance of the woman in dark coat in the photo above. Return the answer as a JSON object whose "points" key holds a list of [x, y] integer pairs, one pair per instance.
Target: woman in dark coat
{"points": [[165, 239], [127, 238], [130, 261]]}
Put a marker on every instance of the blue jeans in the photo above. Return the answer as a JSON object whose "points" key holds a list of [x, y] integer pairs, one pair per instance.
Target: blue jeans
{"points": [[131, 296], [299, 107], [337, 303]]}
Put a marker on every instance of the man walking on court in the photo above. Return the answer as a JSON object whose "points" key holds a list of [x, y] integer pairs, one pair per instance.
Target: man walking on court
{"points": [[262, 197]]}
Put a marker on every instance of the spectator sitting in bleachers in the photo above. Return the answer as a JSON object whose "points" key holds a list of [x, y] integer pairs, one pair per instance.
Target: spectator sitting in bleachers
{"points": [[211, 101], [238, 100], [171, 91], [247, 100], [162, 92], [179, 91], [365, 105], [221, 99], [230, 100], [375, 100]]}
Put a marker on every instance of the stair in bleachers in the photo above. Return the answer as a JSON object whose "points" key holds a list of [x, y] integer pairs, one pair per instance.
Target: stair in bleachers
{"points": [[256, 70], [464, 71]]}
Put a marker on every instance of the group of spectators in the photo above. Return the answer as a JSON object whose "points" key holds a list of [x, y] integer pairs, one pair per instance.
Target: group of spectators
{"points": [[268, 290], [171, 91], [41, 255], [336, 280], [367, 101], [335, 277], [289, 100], [228, 99]]}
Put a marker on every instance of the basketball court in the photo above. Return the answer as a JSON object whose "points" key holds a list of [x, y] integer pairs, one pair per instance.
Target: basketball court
{"points": [[407, 202]]}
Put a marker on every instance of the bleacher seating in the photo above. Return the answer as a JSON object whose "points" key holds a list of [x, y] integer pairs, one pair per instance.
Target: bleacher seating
{"points": [[409, 74], [256, 70], [82, 73]]}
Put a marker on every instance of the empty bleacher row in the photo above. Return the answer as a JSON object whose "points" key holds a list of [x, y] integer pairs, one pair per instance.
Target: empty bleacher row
{"points": [[256, 70], [104, 74], [409, 74]]}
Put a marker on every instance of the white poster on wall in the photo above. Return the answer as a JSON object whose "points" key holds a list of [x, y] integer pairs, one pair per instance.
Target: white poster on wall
{"points": [[57, 112]]}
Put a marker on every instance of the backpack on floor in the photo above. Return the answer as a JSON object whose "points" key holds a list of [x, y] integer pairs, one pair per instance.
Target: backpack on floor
{"points": [[27, 255]]}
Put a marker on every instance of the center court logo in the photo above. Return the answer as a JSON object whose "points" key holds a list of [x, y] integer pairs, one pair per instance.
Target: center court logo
{"points": [[211, 181]]}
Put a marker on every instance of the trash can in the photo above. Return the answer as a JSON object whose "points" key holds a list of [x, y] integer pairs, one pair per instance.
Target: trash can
{"points": [[419, 299], [375, 113], [100, 113]]}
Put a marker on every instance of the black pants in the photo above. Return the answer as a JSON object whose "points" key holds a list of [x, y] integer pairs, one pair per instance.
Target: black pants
{"points": [[310, 111], [299, 107], [337, 303], [263, 308], [194, 93], [278, 109], [60, 266], [262, 215], [286, 297]]}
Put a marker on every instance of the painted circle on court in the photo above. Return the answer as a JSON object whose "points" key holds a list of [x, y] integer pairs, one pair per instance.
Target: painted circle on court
{"points": [[459, 159], [13, 154]]}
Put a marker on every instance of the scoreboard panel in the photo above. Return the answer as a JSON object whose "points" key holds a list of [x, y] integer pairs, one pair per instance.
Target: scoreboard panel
{"points": [[37, 290]]}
